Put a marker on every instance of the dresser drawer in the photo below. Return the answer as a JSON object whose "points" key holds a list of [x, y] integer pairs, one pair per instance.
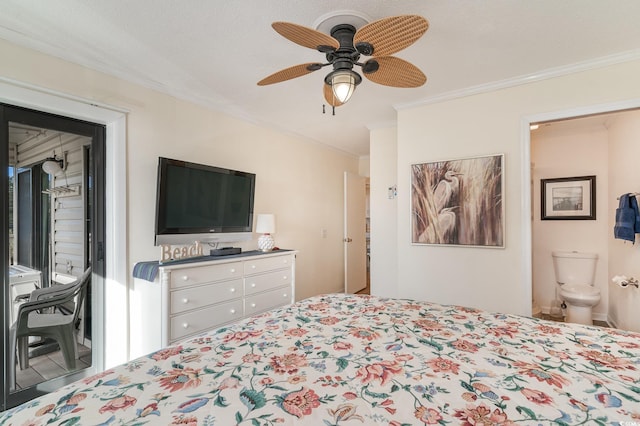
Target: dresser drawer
{"points": [[203, 319], [255, 266], [268, 300], [205, 274], [201, 296], [188, 299], [267, 281]]}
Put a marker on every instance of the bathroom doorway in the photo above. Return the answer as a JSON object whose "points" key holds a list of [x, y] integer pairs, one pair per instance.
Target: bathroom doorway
{"points": [[593, 144]]}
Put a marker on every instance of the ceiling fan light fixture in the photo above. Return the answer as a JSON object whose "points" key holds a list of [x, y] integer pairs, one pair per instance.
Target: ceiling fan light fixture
{"points": [[348, 40], [343, 84]]}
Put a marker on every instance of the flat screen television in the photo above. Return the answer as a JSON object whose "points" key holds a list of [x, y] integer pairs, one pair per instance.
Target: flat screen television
{"points": [[196, 202]]}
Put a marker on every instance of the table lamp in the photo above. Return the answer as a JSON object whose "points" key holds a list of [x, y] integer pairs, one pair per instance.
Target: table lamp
{"points": [[266, 225]]}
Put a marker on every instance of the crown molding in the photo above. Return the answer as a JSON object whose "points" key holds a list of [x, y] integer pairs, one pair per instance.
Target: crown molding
{"points": [[592, 64]]}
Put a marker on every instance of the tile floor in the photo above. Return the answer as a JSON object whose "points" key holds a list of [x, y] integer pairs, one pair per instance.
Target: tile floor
{"points": [[561, 319], [49, 366]]}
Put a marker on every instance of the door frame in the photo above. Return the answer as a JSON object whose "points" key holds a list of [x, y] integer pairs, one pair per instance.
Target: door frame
{"points": [[526, 219], [114, 288], [13, 114]]}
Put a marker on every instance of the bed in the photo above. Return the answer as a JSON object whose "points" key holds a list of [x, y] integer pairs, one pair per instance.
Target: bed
{"points": [[348, 359]]}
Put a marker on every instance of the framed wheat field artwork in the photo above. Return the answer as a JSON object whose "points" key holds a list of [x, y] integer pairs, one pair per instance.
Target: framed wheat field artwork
{"points": [[458, 202]]}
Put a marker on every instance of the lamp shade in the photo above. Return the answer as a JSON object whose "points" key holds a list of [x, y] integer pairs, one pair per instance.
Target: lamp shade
{"points": [[266, 224], [343, 84]]}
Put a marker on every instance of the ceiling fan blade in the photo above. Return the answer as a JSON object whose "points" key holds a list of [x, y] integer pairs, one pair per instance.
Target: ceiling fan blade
{"points": [[390, 35], [394, 72], [289, 73], [306, 37], [329, 97]]}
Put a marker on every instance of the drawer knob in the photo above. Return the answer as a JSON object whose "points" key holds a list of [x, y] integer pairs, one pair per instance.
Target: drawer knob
{"points": [[233, 270], [253, 266], [185, 277], [286, 261], [284, 295], [253, 285], [233, 311], [284, 277], [185, 325], [253, 305], [185, 300], [232, 290]]}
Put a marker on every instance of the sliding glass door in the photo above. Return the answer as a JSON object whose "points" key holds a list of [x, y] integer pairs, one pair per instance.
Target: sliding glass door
{"points": [[52, 198]]}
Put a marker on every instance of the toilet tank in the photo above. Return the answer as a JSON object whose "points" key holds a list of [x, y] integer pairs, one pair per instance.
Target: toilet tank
{"points": [[573, 267]]}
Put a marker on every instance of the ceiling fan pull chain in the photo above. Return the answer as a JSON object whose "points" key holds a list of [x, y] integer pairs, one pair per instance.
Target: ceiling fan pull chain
{"points": [[323, 105], [334, 110]]}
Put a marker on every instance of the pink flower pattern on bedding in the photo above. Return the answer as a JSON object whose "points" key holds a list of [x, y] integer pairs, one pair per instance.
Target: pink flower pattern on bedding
{"points": [[345, 359]]}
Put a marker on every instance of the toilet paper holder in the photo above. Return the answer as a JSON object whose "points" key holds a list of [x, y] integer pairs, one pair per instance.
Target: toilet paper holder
{"points": [[629, 281]]}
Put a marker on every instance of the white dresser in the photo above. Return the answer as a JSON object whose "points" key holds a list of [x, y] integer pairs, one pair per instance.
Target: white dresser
{"points": [[187, 299]]}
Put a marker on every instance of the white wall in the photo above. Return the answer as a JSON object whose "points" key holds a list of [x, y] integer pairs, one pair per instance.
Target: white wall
{"points": [[624, 257], [482, 124], [364, 166], [298, 180], [384, 212], [566, 150]]}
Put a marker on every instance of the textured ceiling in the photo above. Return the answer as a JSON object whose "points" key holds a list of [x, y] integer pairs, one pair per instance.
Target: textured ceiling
{"points": [[214, 52]]}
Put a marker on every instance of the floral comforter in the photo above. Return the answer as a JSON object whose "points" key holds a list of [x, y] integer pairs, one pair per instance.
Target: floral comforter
{"points": [[344, 359]]}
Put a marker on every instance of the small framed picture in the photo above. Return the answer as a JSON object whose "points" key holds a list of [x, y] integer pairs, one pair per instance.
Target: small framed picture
{"points": [[571, 198]]}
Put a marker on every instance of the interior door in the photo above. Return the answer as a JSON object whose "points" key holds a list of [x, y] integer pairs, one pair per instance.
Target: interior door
{"points": [[355, 245], [55, 223]]}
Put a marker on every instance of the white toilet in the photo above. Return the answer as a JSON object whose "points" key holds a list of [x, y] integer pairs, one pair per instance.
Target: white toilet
{"points": [[575, 273]]}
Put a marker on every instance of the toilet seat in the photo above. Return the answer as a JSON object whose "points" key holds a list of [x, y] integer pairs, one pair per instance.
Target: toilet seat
{"points": [[580, 293], [588, 290]]}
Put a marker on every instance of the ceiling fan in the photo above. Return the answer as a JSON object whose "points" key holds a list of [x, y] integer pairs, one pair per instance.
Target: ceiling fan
{"points": [[379, 39]]}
